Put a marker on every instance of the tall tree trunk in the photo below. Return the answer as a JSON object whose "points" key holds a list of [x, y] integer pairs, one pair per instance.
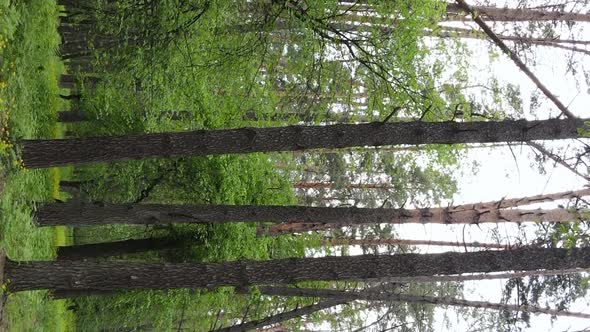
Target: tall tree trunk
{"points": [[283, 316], [331, 185], [408, 298], [69, 294], [79, 213], [397, 242], [485, 276], [117, 248], [446, 31], [81, 275], [301, 227], [456, 12], [505, 203], [47, 153], [515, 14]]}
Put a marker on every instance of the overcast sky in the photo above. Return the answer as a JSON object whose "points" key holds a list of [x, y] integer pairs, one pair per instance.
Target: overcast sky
{"points": [[502, 173]]}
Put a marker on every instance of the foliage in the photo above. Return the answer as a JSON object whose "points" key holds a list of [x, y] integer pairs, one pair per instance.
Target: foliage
{"points": [[29, 72]]}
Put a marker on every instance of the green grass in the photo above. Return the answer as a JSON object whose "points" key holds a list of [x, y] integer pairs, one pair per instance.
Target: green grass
{"points": [[29, 72]]}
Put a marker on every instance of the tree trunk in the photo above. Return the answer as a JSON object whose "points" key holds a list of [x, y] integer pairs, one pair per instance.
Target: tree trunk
{"points": [[117, 248], [60, 152], [408, 298], [69, 294], [477, 19], [455, 11], [79, 213], [397, 242], [558, 160], [446, 32], [485, 276], [81, 275], [294, 227], [74, 115], [283, 316], [331, 185], [515, 14], [522, 201]]}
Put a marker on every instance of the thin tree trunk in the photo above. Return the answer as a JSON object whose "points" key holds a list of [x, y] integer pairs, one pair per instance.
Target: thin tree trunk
{"points": [[446, 31], [523, 201], [47, 153], [514, 14], [475, 13], [381, 242], [558, 160], [79, 214], [82, 275], [454, 11], [485, 276], [331, 185], [283, 316], [117, 248], [408, 298]]}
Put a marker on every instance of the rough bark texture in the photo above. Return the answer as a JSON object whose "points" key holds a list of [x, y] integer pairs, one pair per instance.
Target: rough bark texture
{"points": [[421, 299], [281, 317], [47, 153], [435, 215], [77, 214], [76, 275], [117, 248]]}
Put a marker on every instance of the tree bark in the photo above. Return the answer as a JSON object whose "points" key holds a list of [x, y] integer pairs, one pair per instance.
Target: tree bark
{"points": [[409, 298], [331, 185], [117, 248], [81, 275], [301, 227], [515, 14], [74, 115], [522, 201], [283, 316], [397, 242], [60, 152], [485, 276], [68, 294], [446, 32], [79, 214]]}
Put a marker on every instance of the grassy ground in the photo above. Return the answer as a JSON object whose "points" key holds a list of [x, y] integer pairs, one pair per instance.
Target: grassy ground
{"points": [[29, 72]]}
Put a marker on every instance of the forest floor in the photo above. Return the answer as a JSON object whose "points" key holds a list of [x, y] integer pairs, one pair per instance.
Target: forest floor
{"points": [[29, 73]]}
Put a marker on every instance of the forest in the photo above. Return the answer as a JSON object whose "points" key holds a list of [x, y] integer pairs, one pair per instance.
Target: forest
{"points": [[294, 165]]}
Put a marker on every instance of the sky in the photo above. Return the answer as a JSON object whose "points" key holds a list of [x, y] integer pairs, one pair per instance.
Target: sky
{"points": [[504, 174]]}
